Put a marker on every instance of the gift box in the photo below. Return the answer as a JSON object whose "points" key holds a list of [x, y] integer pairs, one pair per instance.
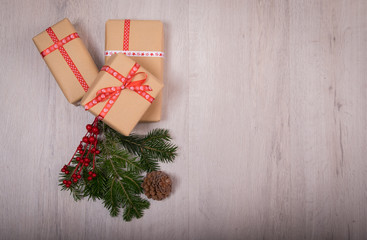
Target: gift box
{"points": [[142, 41], [67, 58], [121, 93]]}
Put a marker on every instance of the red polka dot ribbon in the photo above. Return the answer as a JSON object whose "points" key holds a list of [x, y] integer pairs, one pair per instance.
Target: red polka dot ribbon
{"points": [[110, 94], [126, 34], [58, 45]]}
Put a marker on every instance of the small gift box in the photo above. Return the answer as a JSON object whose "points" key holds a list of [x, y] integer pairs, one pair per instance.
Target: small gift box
{"points": [[121, 93], [67, 58], [143, 42]]}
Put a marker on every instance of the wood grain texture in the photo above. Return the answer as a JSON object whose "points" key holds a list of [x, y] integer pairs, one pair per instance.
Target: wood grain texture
{"points": [[266, 99]]}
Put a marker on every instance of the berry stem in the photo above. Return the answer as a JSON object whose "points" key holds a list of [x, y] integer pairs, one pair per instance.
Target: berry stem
{"points": [[89, 142], [73, 156], [80, 169], [94, 154], [77, 166]]}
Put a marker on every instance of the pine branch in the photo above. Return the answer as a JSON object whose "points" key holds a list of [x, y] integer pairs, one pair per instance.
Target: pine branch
{"points": [[148, 163], [111, 149], [158, 133], [124, 190], [155, 145]]}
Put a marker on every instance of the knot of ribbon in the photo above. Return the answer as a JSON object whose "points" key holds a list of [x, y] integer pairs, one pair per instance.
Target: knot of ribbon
{"points": [[110, 94]]}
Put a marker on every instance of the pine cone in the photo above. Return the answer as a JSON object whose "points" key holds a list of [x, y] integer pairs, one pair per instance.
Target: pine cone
{"points": [[157, 185]]}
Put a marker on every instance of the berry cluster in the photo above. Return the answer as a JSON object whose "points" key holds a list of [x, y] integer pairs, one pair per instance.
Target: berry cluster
{"points": [[83, 154]]}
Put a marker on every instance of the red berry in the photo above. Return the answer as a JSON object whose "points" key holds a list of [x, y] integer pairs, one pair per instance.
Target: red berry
{"points": [[86, 164], [64, 182], [94, 175], [67, 185], [66, 167], [92, 139], [90, 178], [73, 176], [89, 127], [95, 130], [75, 180], [90, 172], [98, 152], [67, 172], [69, 182], [87, 160], [85, 139], [63, 170], [79, 176], [78, 158], [93, 150], [80, 148]]}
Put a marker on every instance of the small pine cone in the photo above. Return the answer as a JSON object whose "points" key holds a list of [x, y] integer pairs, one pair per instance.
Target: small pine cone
{"points": [[157, 185]]}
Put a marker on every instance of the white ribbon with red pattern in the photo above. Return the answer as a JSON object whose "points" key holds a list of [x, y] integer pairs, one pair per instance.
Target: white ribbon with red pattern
{"points": [[135, 53]]}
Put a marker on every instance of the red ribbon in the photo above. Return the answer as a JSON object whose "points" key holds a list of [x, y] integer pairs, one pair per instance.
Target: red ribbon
{"points": [[58, 44], [126, 35], [111, 93]]}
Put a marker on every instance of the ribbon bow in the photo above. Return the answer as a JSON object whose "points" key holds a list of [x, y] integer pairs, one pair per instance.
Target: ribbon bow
{"points": [[111, 93]]}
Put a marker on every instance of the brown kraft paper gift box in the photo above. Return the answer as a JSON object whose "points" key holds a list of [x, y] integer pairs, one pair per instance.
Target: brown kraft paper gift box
{"points": [[67, 58], [128, 108], [137, 39]]}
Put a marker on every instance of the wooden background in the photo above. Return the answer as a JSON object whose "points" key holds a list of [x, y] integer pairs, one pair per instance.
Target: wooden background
{"points": [[266, 99]]}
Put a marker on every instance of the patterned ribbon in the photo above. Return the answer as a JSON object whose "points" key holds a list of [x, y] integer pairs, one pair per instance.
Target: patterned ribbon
{"points": [[126, 34], [112, 93], [125, 46], [58, 44], [135, 53]]}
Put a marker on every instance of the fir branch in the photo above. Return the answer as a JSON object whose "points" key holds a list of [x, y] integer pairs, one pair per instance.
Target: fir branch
{"points": [[114, 151], [124, 191], [140, 206], [148, 163], [158, 133], [111, 197], [156, 145], [159, 149]]}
